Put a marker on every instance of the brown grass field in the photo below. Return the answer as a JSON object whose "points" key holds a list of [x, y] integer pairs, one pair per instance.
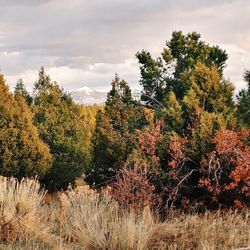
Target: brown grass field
{"points": [[83, 219]]}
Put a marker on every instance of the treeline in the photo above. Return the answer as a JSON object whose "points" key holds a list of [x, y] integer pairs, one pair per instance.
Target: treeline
{"points": [[46, 134], [185, 144]]}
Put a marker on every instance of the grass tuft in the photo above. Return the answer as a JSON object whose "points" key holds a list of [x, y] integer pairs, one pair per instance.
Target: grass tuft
{"points": [[83, 219]]}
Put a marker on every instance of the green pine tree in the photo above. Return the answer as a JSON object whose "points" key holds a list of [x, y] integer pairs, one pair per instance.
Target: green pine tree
{"points": [[20, 89], [22, 153], [60, 125], [182, 53], [243, 105], [186, 88], [114, 134]]}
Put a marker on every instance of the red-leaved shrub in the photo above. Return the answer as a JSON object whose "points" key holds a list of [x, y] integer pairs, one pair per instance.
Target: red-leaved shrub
{"points": [[133, 190], [226, 171], [148, 140]]}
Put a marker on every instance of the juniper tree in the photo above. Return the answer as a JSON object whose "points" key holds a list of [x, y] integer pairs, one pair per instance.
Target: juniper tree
{"points": [[22, 152]]}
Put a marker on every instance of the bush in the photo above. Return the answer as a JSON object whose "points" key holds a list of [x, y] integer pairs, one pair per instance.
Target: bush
{"points": [[226, 172], [87, 220], [133, 190], [22, 216], [96, 222]]}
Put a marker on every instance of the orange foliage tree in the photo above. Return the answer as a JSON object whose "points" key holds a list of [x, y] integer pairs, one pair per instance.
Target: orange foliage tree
{"points": [[133, 190], [135, 187], [226, 171]]}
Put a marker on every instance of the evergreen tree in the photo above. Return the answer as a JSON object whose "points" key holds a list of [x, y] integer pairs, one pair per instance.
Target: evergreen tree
{"points": [[172, 113], [114, 134], [22, 153], [186, 87], [182, 53], [212, 92], [206, 107], [243, 106], [88, 123], [187, 90], [20, 89], [60, 126]]}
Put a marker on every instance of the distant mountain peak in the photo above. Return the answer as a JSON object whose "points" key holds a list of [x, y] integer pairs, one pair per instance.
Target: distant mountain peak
{"points": [[86, 89], [88, 96]]}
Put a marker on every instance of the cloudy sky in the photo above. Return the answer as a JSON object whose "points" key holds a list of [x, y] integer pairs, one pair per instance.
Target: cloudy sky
{"points": [[85, 42]]}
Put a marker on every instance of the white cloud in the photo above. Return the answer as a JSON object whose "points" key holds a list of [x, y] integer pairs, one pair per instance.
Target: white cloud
{"points": [[98, 75], [238, 62], [85, 42]]}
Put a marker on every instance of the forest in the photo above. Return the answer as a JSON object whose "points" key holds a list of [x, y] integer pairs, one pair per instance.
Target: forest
{"points": [[183, 148]]}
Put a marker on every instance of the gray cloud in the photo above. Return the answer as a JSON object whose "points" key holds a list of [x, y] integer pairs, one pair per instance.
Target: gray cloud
{"points": [[85, 42], [22, 2]]}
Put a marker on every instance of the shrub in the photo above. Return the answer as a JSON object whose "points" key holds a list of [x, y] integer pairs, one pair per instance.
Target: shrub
{"points": [[87, 220], [221, 178], [226, 172], [133, 190], [96, 222], [22, 216]]}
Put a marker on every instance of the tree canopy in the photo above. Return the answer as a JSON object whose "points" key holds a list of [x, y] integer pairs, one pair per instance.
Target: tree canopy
{"points": [[244, 102], [22, 152], [58, 121], [181, 55], [114, 134], [185, 144]]}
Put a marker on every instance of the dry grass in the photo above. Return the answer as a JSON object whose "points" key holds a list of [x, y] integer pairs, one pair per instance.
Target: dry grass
{"points": [[209, 231], [95, 222], [86, 220], [23, 218]]}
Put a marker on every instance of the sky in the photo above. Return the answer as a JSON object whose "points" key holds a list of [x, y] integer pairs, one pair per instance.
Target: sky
{"points": [[85, 42]]}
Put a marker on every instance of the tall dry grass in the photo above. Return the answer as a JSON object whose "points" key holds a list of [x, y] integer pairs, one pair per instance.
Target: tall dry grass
{"points": [[23, 218], [87, 220], [230, 230], [95, 222]]}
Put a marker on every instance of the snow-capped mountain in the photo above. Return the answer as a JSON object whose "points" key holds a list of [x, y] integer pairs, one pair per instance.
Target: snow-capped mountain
{"points": [[88, 96]]}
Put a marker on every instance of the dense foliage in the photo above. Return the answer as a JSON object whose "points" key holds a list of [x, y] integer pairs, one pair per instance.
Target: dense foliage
{"points": [[244, 102], [22, 152], [185, 144], [181, 55], [59, 122], [199, 156], [114, 134]]}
